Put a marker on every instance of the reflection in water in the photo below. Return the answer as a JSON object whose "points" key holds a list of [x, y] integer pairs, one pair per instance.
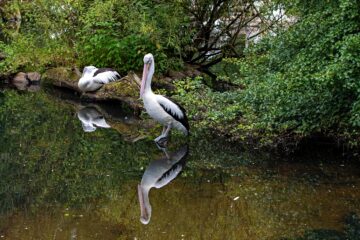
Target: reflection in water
{"points": [[56, 180], [91, 118], [159, 173], [26, 86], [351, 231]]}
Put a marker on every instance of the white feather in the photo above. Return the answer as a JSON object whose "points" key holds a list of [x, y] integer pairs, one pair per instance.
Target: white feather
{"points": [[89, 71], [89, 83], [106, 77]]}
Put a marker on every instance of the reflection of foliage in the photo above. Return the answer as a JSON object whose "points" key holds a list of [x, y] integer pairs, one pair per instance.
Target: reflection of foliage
{"points": [[352, 227], [48, 161], [352, 231], [322, 234], [53, 163], [47, 156]]}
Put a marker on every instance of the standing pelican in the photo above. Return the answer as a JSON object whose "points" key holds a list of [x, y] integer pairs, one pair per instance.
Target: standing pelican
{"points": [[91, 118], [160, 108], [94, 78], [158, 174]]}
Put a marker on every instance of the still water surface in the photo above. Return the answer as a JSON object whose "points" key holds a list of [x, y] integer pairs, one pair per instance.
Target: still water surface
{"points": [[71, 170]]}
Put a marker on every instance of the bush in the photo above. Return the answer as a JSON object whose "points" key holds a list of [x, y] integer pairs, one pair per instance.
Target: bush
{"points": [[305, 80], [104, 33], [302, 82]]}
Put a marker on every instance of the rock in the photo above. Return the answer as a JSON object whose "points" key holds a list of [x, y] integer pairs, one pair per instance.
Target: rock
{"points": [[26, 77], [33, 88], [26, 81], [167, 79], [192, 72], [34, 76], [20, 78], [62, 77], [176, 75], [189, 71], [163, 83]]}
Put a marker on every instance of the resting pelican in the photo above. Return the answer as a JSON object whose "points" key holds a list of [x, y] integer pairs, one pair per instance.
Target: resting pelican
{"points": [[94, 78], [91, 118], [158, 174], [160, 108]]}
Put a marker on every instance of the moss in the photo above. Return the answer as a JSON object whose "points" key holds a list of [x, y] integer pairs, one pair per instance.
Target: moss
{"points": [[60, 74], [121, 88]]}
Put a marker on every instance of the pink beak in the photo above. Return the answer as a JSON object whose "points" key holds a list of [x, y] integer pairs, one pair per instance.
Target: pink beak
{"points": [[144, 78]]}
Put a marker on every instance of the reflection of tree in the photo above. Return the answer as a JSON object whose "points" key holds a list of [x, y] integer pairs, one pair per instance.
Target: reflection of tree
{"points": [[351, 231], [51, 158]]}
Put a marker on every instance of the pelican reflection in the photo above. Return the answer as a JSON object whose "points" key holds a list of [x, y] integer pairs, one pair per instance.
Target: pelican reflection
{"points": [[159, 173], [91, 118]]}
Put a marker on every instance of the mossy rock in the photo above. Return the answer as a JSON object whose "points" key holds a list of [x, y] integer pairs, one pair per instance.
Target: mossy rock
{"points": [[61, 74]]}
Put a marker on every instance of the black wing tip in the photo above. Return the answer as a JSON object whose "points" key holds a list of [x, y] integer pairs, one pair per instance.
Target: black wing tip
{"points": [[184, 120], [186, 124]]}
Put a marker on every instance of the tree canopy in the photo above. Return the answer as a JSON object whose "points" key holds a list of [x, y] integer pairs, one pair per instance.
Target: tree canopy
{"points": [[302, 81], [118, 33]]}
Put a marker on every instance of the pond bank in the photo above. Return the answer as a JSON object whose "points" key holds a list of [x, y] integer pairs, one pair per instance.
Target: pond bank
{"points": [[126, 92]]}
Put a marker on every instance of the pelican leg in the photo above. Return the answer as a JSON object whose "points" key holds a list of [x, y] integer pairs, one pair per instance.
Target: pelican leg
{"points": [[162, 139], [166, 133], [166, 153], [163, 131]]}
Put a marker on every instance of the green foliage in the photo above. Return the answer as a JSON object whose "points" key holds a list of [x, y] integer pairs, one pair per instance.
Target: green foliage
{"points": [[104, 33], [306, 80], [301, 82], [45, 38], [29, 53], [208, 109], [119, 34]]}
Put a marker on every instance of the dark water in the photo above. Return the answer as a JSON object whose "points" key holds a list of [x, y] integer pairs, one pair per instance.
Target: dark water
{"points": [[60, 182]]}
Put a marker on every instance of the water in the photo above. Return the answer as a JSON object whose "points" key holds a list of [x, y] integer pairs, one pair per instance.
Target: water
{"points": [[60, 182]]}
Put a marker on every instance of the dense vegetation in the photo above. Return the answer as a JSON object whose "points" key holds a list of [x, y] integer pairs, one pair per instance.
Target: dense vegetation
{"points": [[103, 33], [302, 82], [40, 34], [301, 79]]}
